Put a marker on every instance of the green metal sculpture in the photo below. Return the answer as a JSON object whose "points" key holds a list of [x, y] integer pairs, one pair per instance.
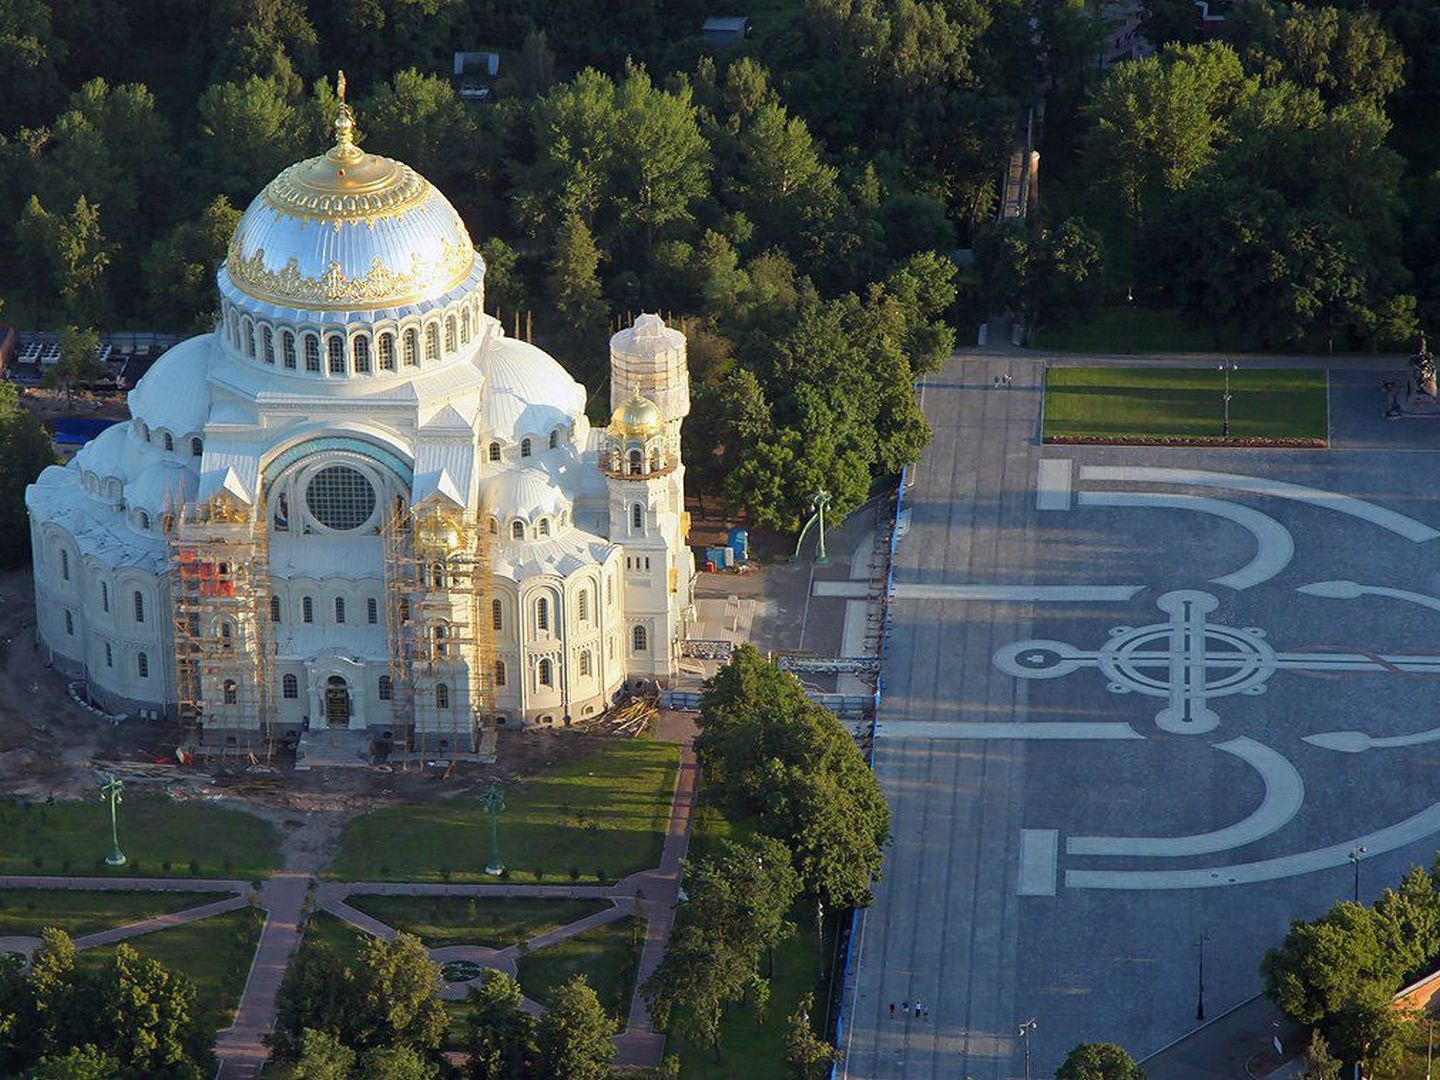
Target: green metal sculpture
{"points": [[110, 790], [818, 502], [494, 799]]}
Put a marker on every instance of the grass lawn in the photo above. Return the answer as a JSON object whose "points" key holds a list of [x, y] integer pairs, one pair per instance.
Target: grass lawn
{"points": [[609, 956], [214, 953], [455, 920], [1156, 402], [163, 838], [80, 912], [334, 933], [1118, 330], [603, 814]]}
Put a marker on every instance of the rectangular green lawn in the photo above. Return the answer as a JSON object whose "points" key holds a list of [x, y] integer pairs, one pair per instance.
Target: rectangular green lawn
{"points": [[602, 814], [160, 836], [440, 921], [1142, 403], [608, 956], [85, 911], [215, 954]]}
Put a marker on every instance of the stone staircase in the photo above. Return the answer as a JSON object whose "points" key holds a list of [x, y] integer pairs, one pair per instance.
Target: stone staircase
{"points": [[334, 748]]}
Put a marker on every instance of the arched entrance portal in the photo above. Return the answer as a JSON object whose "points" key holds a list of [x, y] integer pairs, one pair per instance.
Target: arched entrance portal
{"points": [[337, 702]]}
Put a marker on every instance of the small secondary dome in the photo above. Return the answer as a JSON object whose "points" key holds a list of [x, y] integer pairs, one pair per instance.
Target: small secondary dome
{"points": [[638, 416], [349, 230]]}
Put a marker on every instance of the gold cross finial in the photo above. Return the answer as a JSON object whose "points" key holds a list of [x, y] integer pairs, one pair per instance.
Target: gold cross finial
{"points": [[340, 88], [345, 149]]}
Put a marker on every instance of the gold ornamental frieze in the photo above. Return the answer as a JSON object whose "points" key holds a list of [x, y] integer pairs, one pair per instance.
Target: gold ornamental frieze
{"points": [[335, 191], [379, 287]]}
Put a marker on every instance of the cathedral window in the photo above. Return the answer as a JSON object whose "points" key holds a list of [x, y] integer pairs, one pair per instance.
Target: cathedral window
{"points": [[582, 605], [227, 636], [144, 521], [104, 596], [336, 348], [197, 447], [499, 672], [387, 352], [287, 349], [312, 353], [554, 438], [637, 516], [65, 564], [497, 614], [340, 497], [609, 590], [432, 343], [637, 462], [247, 337], [386, 688], [169, 442], [524, 447], [69, 624], [167, 523], [517, 530], [231, 695], [267, 344], [547, 673], [307, 609], [450, 334], [442, 696], [542, 614], [412, 347], [372, 611], [139, 602], [339, 609], [465, 327], [655, 460], [494, 527], [404, 609], [230, 328], [362, 355], [290, 687], [440, 647], [639, 639], [494, 451], [142, 665], [274, 609], [544, 527], [585, 662], [109, 655]]}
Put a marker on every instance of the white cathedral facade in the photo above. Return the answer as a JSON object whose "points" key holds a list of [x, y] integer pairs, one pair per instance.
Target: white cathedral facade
{"points": [[354, 380]]}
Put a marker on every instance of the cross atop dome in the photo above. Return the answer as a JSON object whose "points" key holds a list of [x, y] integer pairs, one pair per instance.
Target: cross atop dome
{"points": [[344, 149]]}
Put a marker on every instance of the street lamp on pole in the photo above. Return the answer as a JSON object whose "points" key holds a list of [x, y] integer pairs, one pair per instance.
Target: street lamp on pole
{"points": [[110, 791], [1026, 1027], [1356, 855], [1225, 400], [493, 798]]}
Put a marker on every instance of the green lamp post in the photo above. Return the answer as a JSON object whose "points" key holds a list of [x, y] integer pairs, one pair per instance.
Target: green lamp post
{"points": [[110, 791], [818, 502], [494, 799]]}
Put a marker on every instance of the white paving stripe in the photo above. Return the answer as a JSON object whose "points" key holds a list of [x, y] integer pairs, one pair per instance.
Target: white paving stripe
{"points": [[1400, 524], [1276, 547], [942, 729], [1029, 593], [1039, 858], [1396, 836], [1284, 795], [1350, 590], [1052, 486], [1353, 742], [858, 589]]}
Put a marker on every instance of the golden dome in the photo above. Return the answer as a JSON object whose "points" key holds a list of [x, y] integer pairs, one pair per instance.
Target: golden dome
{"points": [[637, 417], [349, 230]]}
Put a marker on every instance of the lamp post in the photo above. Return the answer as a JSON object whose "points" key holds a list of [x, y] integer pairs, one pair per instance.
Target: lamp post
{"points": [[494, 799], [1200, 986], [1130, 322], [1026, 1027], [1225, 400], [110, 791], [1356, 855], [818, 502]]}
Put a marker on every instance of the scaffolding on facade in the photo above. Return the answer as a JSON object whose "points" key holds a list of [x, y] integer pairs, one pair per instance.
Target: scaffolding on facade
{"points": [[439, 629], [220, 615]]}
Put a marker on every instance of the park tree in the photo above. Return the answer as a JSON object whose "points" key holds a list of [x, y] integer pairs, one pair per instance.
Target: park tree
{"points": [[1318, 1063], [397, 1063], [660, 160], [395, 997], [744, 893], [79, 362], [1345, 55], [35, 246], [78, 1063], [418, 119], [144, 1016], [1043, 274], [30, 52], [262, 39], [782, 179], [179, 270], [501, 1040], [699, 977], [575, 1037], [504, 285], [322, 1056], [1099, 1061], [247, 132], [315, 995], [808, 1056], [575, 288], [81, 257], [573, 128]]}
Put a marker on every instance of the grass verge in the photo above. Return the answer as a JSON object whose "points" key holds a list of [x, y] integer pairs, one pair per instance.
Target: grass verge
{"points": [[608, 956], [439, 921], [85, 911], [1165, 404], [162, 837], [598, 818], [215, 954]]}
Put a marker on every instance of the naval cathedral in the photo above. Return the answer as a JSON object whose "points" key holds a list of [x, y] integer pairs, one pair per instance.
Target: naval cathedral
{"points": [[358, 504]]}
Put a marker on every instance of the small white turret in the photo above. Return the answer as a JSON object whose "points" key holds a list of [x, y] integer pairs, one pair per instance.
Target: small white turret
{"points": [[648, 360]]}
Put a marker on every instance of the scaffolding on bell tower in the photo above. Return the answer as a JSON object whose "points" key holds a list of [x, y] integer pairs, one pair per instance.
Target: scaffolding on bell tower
{"points": [[220, 616], [441, 645]]}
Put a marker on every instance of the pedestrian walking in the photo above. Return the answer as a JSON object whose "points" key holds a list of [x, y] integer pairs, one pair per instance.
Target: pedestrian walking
{"points": [[995, 383], [1008, 379], [917, 1010], [927, 1013], [905, 1006], [892, 1010]]}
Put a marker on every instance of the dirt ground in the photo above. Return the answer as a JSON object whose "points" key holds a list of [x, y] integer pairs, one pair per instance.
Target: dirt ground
{"points": [[50, 747]]}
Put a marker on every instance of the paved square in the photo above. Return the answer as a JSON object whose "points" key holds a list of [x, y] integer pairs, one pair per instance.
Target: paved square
{"points": [[1136, 697]]}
